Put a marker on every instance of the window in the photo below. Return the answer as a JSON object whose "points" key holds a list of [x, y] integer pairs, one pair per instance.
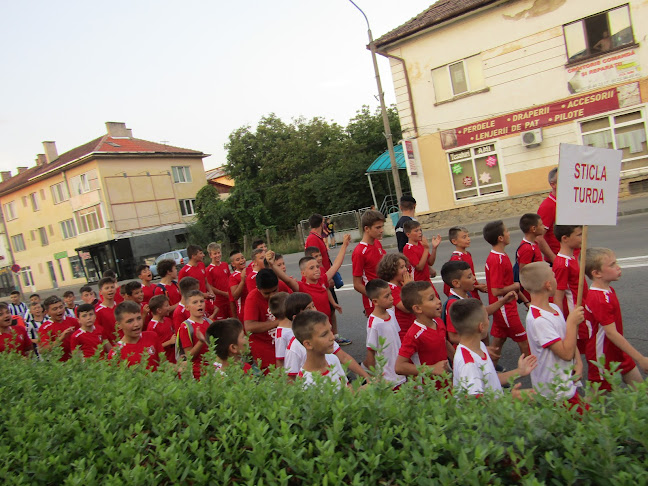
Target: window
{"points": [[42, 194], [181, 174], [10, 211], [60, 192], [27, 277], [187, 207], [43, 236], [89, 219], [76, 266], [34, 202], [68, 229], [459, 78], [18, 243], [475, 171], [624, 131], [84, 183], [597, 34]]}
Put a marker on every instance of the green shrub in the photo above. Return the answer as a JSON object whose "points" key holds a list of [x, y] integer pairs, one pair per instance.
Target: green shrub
{"points": [[87, 423]]}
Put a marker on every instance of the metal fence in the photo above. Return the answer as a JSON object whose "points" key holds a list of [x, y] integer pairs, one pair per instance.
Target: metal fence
{"points": [[344, 222]]}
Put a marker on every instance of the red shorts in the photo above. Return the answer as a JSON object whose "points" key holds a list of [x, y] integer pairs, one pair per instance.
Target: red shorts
{"points": [[223, 309], [507, 324], [577, 402], [625, 365]]}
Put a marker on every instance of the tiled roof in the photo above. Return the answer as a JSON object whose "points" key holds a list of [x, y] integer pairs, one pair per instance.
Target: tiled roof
{"points": [[214, 173], [98, 146], [439, 12]]}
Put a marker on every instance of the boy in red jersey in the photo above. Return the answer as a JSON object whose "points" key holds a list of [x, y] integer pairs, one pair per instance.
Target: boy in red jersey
{"points": [[230, 344], [418, 251], [191, 333], [218, 274], [196, 268], [237, 290], [144, 274], [58, 329], [529, 250], [168, 286], [258, 319], [119, 297], [13, 338], [162, 325], [549, 245], [105, 310], [603, 312], [425, 342], [316, 239], [181, 313], [367, 254], [460, 238], [135, 344], [566, 269], [258, 262], [88, 338], [499, 279], [393, 270]]}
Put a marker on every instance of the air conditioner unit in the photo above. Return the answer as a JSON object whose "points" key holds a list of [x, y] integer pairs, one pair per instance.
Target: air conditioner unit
{"points": [[532, 138]]}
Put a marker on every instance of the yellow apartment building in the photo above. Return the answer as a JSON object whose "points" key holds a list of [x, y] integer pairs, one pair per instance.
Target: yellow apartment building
{"points": [[110, 203]]}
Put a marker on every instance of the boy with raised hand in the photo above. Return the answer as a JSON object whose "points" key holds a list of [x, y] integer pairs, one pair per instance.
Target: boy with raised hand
{"points": [[70, 305], [229, 341], [393, 270], [196, 268], [105, 310], [460, 238], [367, 254], [313, 330], [425, 342], [88, 338], [17, 307], [552, 339], [529, 250], [13, 338], [58, 329], [237, 289], [382, 325], [499, 279], [258, 262], [135, 344], [566, 269], [259, 321], [603, 312], [418, 251], [168, 286], [473, 370], [191, 333], [218, 274], [162, 325], [143, 272]]}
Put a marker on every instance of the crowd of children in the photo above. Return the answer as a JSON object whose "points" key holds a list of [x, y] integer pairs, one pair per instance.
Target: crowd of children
{"points": [[286, 322]]}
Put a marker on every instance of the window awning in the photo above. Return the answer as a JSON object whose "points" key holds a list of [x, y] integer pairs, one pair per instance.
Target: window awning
{"points": [[383, 164]]}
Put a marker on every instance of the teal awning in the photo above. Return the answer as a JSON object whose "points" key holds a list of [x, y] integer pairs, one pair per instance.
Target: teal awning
{"points": [[383, 164]]}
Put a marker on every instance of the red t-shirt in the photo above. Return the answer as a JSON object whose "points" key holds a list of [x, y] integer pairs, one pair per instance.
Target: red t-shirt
{"points": [[148, 291], [180, 314], [250, 280], [88, 342], [547, 212], [197, 272], [165, 331], [414, 253], [460, 256], [187, 341], [404, 319], [364, 261], [499, 274], [423, 345], [218, 278], [319, 294], [106, 321], [566, 270], [446, 317], [50, 330], [527, 253], [313, 239], [170, 290], [15, 339], [148, 346], [234, 281]]}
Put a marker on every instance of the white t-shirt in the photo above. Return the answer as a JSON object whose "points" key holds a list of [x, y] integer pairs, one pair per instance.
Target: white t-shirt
{"points": [[473, 374], [544, 329], [388, 329], [335, 373], [296, 356], [282, 338]]}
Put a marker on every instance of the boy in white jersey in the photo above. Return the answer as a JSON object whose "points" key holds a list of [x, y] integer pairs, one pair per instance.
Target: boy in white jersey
{"points": [[313, 330], [277, 307], [382, 324], [473, 370], [551, 338]]}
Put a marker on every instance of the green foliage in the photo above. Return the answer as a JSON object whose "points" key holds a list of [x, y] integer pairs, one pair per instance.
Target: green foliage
{"points": [[88, 423]]}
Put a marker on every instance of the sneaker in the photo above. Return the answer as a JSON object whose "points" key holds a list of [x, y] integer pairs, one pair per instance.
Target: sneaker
{"points": [[342, 341]]}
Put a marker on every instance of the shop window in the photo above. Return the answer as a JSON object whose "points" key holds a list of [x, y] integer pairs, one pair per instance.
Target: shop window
{"points": [[475, 172], [458, 78], [77, 267], [598, 34]]}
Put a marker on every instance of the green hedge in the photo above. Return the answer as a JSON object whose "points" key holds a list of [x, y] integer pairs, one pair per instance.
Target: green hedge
{"points": [[88, 423]]}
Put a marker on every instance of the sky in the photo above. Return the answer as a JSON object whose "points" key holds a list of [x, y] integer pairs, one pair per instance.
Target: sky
{"points": [[185, 72]]}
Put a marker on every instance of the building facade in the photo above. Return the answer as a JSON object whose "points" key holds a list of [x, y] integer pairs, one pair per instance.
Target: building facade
{"points": [[112, 203], [488, 90]]}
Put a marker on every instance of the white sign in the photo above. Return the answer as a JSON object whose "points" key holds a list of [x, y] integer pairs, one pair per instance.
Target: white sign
{"points": [[604, 71], [588, 185]]}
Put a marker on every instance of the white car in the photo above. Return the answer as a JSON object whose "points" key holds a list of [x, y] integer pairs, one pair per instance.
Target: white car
{"points": [[178, 256]]}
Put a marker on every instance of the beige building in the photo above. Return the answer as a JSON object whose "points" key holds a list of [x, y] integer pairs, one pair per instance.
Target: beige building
{"points": [[110, 203], [487, 91]]}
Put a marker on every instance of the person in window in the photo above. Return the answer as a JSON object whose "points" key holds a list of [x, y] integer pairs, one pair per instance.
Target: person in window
{"points": [[605, 44]]}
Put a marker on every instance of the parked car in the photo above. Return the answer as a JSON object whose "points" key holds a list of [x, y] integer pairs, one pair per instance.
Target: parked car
{"points": [[178, 256]]}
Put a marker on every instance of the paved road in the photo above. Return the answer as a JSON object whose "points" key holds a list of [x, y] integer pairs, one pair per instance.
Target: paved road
{"points": [[627, 239]]}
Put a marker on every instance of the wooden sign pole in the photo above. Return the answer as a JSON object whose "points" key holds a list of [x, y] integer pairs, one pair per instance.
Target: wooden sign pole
{"points": [[581, 273]]}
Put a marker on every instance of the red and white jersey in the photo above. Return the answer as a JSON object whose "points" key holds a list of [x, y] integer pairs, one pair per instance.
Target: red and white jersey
{"points": [[147, 347], [180, 314], [218, 277], [425, 345], [526, 253], [15, 339], [250, 280], [473, 373], [319, 293], [566, 270], [454, 296], [404, 319], [50, 330], [196, 271], [165, 330], [170, 290], [414, 253], [335, 373], [462, 256], [234, 281], [545, 328], [314, 239], [189, 341], [283, 336], [296, 356], [148, 291], [88, 341], [388, 330], [547, 212], [364, 261], [106, 321], [499, 274]]}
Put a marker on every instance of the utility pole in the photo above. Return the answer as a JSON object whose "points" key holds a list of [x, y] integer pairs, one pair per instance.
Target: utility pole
{"points": [[383, 109]]}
